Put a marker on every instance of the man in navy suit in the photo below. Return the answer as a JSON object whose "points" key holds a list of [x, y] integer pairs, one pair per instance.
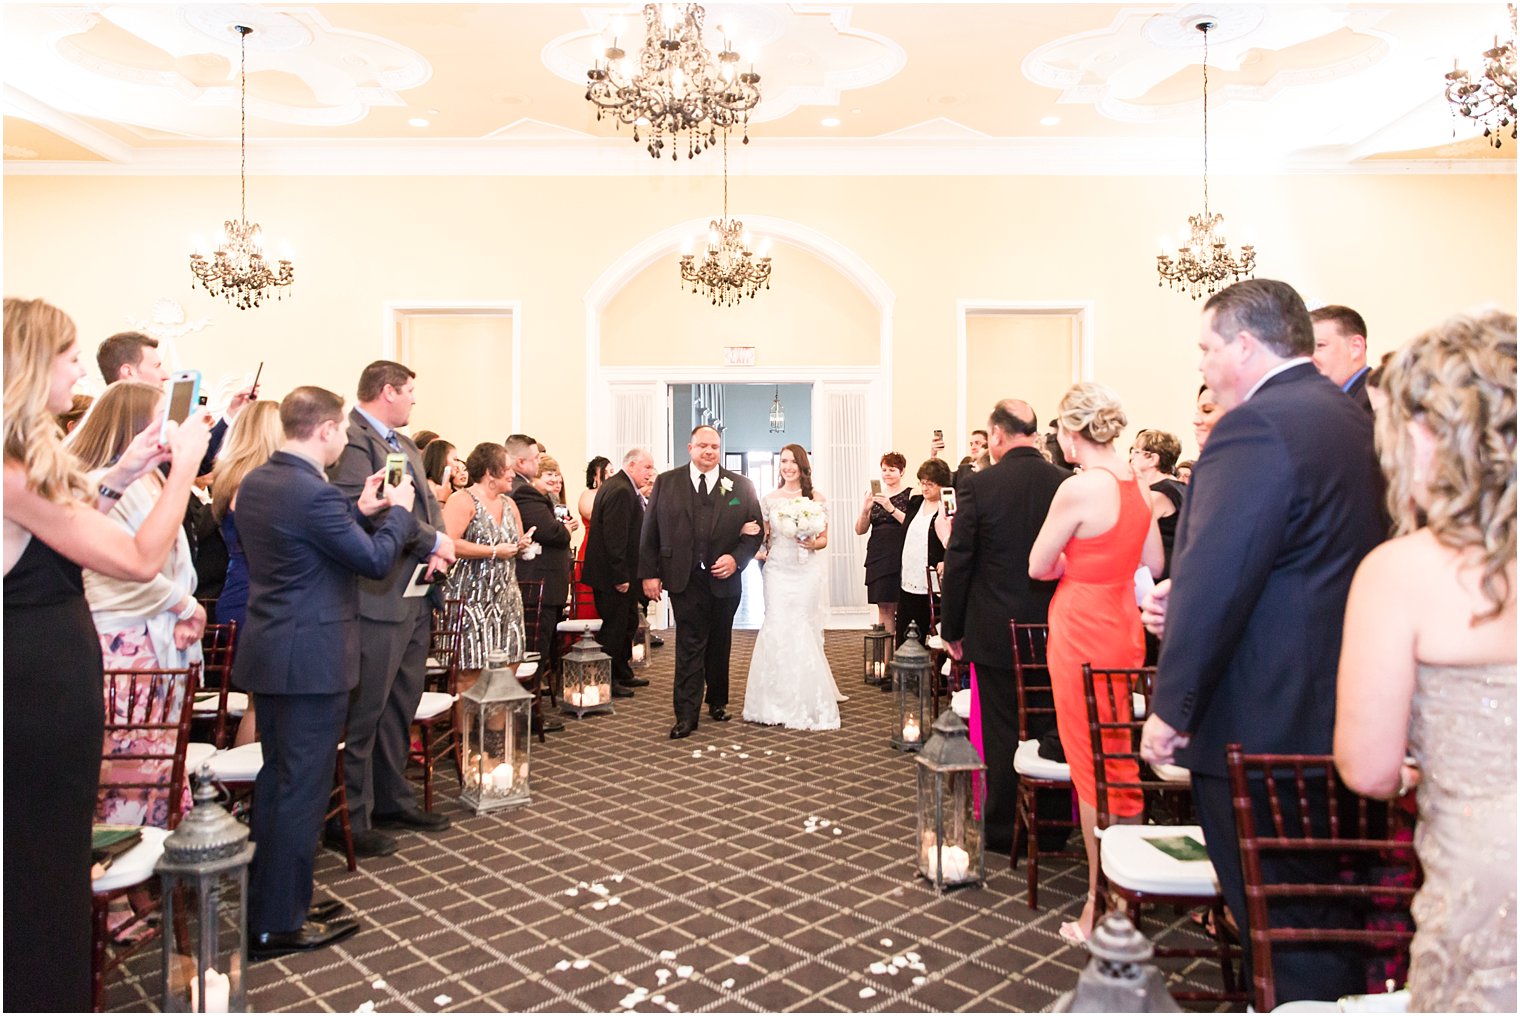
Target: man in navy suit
{"points": [[1283, 505], [694, 545], [299, 653], [1340, 350]]}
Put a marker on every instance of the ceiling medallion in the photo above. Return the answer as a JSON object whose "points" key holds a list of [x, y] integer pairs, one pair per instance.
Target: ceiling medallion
{"points": [[1205, 262], [729, 271], [675, 85], [1489, 101], [239, 272]]}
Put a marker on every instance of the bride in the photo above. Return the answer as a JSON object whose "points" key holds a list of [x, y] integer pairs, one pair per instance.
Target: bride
{"points": [[789, 678]]}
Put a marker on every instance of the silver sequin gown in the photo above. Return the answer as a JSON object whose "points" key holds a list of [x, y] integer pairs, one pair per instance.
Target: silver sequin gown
{"points": [[1462, 731], [493, 609]]}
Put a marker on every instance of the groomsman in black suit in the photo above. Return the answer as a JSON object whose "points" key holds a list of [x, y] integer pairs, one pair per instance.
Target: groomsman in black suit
{"points": [[1283, 505], [395, 629], [612, 564], [298, 654], [999, 513], [694, 546]]}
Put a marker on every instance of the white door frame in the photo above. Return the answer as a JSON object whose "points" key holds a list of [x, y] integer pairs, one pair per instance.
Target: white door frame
{"points": [[395, 310], [1082, 353]]}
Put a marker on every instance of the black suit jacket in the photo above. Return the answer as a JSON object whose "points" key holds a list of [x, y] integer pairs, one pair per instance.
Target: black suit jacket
{"points": [[666, 547], [1283, 506], [306, 548], [552, 565], [612, 538], [380, 597], [999, 512]]}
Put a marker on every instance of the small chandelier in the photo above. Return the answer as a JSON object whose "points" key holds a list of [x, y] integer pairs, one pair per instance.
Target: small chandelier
{"points": [[729, 272], [778, 414], [1205, 261], [239, 271], [680, 87], [1490, 101]]}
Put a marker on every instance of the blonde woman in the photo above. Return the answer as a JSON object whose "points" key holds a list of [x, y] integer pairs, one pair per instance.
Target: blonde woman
{"points": [[254, 436], [1098, 532], [53, 704], [1427, 663]]}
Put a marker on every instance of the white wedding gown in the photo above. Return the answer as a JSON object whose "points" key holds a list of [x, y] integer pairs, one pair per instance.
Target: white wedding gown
{"points": [[790, 683]]}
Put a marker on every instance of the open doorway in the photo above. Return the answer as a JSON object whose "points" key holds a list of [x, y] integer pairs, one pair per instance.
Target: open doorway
{"points": [[755, 421]]}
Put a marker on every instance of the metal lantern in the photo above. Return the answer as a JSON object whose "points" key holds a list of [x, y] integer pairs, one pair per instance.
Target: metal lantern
{"points": [[639, 658], [588, 679], [204, 874], [1119, 977], [950, 837], [912, 670], [878, 653], [496, 711]]}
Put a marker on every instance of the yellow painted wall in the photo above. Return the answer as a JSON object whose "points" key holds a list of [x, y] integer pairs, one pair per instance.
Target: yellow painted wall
{"points": [[1027, 356], [1404, 250]]}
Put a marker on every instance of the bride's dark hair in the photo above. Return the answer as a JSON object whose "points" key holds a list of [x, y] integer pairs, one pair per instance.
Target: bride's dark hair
{"points": [[804, 469]]}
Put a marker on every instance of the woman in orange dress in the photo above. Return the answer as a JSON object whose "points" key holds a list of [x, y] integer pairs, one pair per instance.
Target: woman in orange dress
{"points": [[1097, 534]]}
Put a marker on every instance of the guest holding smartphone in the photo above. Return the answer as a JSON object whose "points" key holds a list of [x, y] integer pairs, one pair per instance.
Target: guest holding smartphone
{"points": [[883, 514]]}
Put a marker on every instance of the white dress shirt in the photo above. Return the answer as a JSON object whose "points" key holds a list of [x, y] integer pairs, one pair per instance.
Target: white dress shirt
{"points": [[696, 478]]}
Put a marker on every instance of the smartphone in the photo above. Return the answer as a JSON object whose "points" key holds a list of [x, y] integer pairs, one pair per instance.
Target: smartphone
{"points": [[939, 435], [875, 488], [947, 495], [184, 396], [395, 469]]}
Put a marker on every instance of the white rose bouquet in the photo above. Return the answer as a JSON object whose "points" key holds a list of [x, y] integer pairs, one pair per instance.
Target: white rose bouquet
{"points": [[799, 519]]}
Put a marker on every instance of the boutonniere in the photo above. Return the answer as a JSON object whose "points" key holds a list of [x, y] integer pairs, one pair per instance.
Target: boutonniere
{"points": [[725, 485]]}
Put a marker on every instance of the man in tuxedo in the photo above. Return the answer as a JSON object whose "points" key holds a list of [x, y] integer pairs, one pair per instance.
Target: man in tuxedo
{"points": [[1340, 350], [999, 513], [394, 629], [1283, 505], [611, 566], [694, 546], [298, 653]]}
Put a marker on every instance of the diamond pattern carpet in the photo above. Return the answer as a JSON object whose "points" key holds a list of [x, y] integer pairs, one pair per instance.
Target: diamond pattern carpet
{"points": [[744, 869]]}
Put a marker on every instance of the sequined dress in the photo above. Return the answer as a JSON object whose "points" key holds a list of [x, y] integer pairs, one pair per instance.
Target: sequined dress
{"points": [[493, 609], [1462, 731]]}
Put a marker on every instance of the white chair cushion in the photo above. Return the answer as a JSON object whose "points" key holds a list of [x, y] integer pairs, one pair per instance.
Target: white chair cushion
{"points": [[934, 642], [1027, 761], [1393, 1001], [136, 865], [1132, 863], [237, 704], [433, 704], [526, 670], [586, 624], [197, 752], [238, 765], [1172, 774], [960, 703]]}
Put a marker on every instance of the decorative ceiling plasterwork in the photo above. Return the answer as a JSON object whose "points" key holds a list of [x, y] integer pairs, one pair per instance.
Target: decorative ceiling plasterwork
{"points": [[808, 53], [136, 64]]}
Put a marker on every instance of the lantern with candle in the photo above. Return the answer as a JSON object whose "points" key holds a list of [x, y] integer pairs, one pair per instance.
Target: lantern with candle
{"points": [[588, 679], [497, 710], [878, 652], [639, 658], [204, 874], [949, 819], [912, 670]]}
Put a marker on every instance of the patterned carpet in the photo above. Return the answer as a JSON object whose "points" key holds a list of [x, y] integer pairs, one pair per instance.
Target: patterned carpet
{"points": [[744, 869]]}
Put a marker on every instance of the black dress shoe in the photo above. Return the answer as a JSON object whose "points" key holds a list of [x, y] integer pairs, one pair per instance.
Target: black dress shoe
{"points": [[618, 691], [720, 714], [371, 843], [324, 911], [634, 682], [414, 818], [655, 642], [681, 730], [311, 935]]}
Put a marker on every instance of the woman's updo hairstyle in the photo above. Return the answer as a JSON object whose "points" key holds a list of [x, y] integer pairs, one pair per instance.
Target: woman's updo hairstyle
{"points": [[1093, 411]]}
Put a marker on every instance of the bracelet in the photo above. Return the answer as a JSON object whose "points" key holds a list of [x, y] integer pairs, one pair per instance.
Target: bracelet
{"points": [[187, 613], [108, 492]]}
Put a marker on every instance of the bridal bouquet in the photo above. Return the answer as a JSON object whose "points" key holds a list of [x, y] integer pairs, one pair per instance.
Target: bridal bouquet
{"points": [[801, 518]]}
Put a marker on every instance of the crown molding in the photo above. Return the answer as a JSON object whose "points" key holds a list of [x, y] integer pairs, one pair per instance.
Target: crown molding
{"points": [[594, 157]]}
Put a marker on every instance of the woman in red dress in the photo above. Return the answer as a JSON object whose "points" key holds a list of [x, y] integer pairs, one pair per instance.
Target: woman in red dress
{"points": [[1097, 534]]}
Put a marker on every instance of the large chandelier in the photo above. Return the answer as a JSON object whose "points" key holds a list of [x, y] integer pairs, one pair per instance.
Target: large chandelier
{"points": [[1489, 101], [729, 271], [238, 270], [679, 86], [1205, 261]]}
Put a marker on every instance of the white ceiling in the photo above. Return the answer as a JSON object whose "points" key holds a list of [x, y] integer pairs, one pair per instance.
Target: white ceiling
{"points": [[915, 88]]}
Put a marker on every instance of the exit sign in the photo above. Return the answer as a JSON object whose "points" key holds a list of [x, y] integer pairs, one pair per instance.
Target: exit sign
{"points": [[739, 356]]}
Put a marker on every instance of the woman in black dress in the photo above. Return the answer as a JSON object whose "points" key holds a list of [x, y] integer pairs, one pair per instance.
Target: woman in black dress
{"points": [[884, 513], [54, 712]]}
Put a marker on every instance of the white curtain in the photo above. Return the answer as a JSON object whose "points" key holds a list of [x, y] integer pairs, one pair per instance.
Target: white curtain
{"points": [[636, 423], [843, 465]]}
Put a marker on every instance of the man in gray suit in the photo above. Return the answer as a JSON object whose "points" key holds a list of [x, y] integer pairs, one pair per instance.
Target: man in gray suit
{"points": [[394, 630]]}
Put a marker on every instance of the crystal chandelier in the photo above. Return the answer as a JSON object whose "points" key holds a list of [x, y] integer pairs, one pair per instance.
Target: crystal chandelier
{"points": [[238, 270], [778, 414], [679, 86], [1205, 261], [729, 271], [1489, 101]]}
